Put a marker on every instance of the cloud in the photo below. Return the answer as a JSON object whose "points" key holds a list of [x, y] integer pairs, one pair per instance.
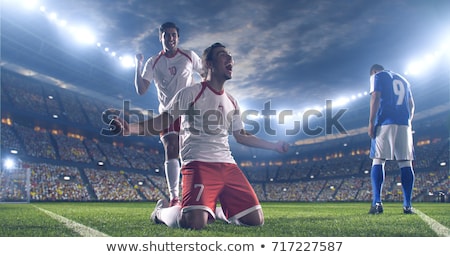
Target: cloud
{"points": [[302, 50], [267, 40]]}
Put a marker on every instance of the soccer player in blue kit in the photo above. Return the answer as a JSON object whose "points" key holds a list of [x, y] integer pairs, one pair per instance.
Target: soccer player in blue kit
{"points": [[391, 113]]}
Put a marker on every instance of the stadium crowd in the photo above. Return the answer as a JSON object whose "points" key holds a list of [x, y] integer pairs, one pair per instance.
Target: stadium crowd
{"points": [[56, 135]]}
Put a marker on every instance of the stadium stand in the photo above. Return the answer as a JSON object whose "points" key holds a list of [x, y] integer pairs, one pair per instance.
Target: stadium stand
{"points": [[56, 134]]}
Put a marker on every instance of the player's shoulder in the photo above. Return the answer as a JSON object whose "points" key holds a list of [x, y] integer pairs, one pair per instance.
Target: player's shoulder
{"points": [[230, 96], [388, 74], [185, 96], [400, 76], [154, 58], [157, 55], [187, 52], [384, 75], [232, 99], [191, 90]]}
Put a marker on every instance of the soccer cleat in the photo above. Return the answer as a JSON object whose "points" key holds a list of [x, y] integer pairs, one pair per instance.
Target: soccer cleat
{"points": [[161, 203], [174, 202], [376, 209], [408, 210]]}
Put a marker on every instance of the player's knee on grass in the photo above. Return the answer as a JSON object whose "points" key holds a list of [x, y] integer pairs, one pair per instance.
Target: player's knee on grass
{"points": [[255, 218], [194, 219]]}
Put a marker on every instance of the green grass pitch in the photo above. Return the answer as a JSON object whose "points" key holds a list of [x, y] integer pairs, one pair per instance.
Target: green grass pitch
{"points": [[281, 220]]}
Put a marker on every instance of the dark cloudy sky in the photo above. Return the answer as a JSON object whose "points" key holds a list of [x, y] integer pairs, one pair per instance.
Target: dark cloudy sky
{"points": [[296, 54]]}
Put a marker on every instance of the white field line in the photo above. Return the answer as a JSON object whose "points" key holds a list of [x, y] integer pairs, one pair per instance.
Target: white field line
{"points": [[438, 228], [85, 231], [81, 229]]}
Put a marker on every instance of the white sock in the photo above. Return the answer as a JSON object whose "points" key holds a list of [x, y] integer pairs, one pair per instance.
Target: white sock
{"points": [[170, 216], [220, 215], [172, 168]]}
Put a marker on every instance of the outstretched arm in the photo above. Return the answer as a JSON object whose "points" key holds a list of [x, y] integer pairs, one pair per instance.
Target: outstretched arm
{"points": [[242, 137], [152, 126]]}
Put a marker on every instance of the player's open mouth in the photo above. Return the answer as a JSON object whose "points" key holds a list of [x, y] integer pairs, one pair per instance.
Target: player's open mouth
{"points": [[229, 67]]}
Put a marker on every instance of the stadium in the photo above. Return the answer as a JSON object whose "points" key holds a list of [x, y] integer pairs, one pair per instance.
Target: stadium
{"points": [[55, 158]]}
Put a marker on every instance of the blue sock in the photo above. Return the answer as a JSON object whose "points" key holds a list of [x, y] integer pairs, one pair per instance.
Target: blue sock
{"points": [[377, 177], [407, 177]]}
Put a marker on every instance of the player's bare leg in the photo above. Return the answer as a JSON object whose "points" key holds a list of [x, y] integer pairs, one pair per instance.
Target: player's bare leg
{"points": [[254, 218], [194, 219]]}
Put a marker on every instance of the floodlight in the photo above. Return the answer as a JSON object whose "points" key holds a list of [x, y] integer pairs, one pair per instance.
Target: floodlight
{"points": [[127, 61], [29, 4], [62, 23], [9, 163], [341, 101], [413, 68], [53, 16], [83, 35]]}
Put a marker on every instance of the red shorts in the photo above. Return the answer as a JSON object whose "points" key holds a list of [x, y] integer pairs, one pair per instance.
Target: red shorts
{"points": [[205, 183], [174, 128]]}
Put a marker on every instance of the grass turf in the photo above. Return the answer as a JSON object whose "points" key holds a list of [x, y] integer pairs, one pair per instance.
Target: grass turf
{"points": [[339, 219]]}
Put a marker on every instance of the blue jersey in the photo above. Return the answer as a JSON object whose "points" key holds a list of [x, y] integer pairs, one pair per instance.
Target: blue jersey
{"points": [[395, 98]]}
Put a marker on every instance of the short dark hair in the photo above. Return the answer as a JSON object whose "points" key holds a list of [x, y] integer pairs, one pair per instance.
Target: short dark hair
{"points": [[207, 56], [376, 67], [168, 25]]}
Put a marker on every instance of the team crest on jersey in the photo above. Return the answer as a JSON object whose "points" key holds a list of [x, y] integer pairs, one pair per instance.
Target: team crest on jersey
{"points": [[173, 70]]}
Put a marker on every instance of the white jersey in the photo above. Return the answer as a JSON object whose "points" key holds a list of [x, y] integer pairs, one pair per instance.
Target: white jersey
{"points": [[170, 74], [207, 119]]}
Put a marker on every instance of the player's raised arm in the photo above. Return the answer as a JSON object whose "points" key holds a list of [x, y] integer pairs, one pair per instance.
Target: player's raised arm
{"points": [[140, 83]]}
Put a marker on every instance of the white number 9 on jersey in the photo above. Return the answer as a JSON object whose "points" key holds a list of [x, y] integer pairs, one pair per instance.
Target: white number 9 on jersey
{"points": [[399, 90]]}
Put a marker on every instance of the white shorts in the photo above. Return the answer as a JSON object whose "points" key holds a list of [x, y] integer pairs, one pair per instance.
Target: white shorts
{"points": [[392, 142]]}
